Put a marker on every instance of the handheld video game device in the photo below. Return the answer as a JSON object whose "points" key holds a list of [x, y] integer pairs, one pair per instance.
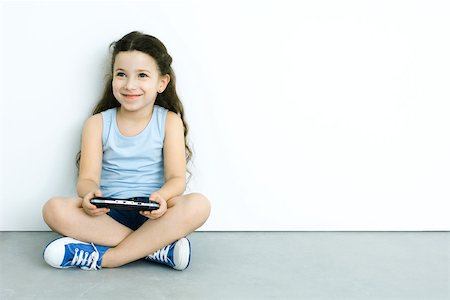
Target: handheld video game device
{"points": [[136, 203]]}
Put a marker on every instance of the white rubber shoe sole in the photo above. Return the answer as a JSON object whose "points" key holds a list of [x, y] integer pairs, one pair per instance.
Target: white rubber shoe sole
{"points": [[182, 254]]}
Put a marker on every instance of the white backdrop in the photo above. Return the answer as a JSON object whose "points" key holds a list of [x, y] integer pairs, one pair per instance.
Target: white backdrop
{"points": [[304, 115]]}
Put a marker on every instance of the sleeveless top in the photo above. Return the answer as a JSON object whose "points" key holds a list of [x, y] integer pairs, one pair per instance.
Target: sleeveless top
{"points": [[132, 166]]}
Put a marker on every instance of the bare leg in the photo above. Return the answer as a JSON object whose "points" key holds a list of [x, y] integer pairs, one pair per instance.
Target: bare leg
{"points": [[184, 215], [65, 216]]}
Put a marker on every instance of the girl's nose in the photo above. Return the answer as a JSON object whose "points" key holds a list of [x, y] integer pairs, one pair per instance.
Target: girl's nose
{"points": [[131, 84]]}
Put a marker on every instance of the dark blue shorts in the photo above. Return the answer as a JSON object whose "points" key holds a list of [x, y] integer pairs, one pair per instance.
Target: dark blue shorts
{"points": [[130, 218]]}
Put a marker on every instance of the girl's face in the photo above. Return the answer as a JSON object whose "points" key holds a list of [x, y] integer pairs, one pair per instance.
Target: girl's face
{"points": [[137, 80]]}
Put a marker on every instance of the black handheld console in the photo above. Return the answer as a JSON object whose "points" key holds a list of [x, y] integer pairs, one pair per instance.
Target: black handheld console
{"points": [[136, 203]]}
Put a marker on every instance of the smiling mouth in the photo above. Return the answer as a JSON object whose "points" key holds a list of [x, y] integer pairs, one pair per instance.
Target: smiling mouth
{"points": [[131, 96]]}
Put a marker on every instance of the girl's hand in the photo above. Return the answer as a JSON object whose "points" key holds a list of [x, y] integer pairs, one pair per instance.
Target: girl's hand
{"points": [[155, 214], [90, 208]]}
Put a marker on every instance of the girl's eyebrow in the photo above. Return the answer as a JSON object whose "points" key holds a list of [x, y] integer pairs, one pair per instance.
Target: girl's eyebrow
{"points": [[140, 70], [144, 70]]}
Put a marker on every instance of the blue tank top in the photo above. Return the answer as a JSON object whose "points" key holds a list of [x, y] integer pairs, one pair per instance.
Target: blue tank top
{"points": [[132, 166]]}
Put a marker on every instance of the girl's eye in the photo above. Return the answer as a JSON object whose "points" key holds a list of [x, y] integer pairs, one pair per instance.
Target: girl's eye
{"points": [[143, 75], [120, 74]]}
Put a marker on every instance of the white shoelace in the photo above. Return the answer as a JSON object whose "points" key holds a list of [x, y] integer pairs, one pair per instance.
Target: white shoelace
{"points": [[85, 259], [162, 255]]}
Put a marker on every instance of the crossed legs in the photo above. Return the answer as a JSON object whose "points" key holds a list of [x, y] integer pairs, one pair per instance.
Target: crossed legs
{"points": [[184, 214]]}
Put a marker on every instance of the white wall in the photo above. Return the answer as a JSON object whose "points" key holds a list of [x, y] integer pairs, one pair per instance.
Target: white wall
{"points": [[304, 115]]}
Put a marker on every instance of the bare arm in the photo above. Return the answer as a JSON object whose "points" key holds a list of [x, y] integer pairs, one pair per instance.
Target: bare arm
{"points": [[174, 158], [91, 156], [174, 166], [91, 163]]}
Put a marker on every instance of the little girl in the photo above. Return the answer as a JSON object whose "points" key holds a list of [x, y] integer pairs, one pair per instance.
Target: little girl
{"points": [[133, 146]]}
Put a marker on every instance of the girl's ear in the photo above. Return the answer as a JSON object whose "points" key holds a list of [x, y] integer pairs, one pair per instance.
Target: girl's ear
{"points": [[163, 82]]}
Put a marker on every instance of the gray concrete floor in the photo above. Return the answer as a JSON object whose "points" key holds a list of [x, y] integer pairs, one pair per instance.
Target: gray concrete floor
{"points": [[247, 265]]}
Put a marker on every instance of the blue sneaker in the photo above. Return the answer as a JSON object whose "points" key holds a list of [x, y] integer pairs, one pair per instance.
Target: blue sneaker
{"points": [[176, 255], [67, 252]]}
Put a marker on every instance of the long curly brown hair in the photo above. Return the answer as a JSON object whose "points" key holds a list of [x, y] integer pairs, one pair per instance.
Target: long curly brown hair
{"points": [[168, 99]]}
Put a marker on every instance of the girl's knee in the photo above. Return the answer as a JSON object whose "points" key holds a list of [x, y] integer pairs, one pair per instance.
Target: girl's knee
{"points": [[48, 210], [200, 207], [53, 211]]}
